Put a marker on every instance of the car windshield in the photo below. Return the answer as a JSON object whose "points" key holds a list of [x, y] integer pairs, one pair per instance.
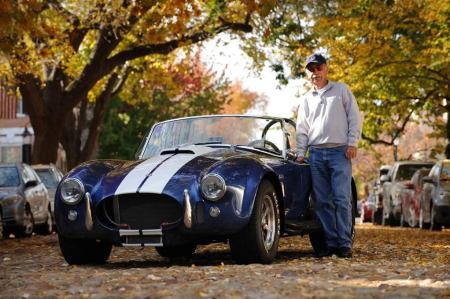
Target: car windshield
{"points": [[9, 177], [258, 132], [406, 171], [47, 178]]}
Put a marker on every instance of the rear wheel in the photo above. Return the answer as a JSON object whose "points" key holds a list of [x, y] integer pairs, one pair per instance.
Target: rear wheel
{"points": [[258, 241], [377, 216], [27, 228], [177, 251], [434, 225], [84, 251]]}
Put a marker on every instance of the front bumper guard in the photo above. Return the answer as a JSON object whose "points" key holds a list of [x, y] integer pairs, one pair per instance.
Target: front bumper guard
{"points": [[141, 237]]}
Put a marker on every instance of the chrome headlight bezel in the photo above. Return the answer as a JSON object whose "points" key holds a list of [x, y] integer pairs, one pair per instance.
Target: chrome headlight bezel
{"points": [[220, 187], [72, 198]]}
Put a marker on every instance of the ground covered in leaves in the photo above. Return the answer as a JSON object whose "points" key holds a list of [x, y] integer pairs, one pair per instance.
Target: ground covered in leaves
{"points": [[387, 262]]}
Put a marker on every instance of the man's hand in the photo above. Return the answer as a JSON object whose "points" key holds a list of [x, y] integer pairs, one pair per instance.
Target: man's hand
{"points": [[300, 160], [351, 152]]}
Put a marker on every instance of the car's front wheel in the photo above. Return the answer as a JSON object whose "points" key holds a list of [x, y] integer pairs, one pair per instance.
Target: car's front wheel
{"points": [[84, 251], [258, 241], [177, 251], [27, 228]]}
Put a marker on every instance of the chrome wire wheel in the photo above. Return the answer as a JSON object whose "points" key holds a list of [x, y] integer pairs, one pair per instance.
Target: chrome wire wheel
{"points": [[268, 222]]}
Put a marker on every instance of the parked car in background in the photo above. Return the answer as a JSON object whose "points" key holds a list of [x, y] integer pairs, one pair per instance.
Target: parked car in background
{"points": [[50, 175], [393, 182], [410, 198], [24, 203], [378, 191], [368, 207], [435, 200], [197, 180]]}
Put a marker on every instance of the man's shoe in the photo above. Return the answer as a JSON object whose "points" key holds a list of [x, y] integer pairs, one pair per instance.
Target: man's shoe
{"points": [[326, 252], [344, 252]]}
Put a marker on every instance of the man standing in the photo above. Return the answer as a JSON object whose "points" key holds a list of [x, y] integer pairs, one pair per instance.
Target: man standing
{"points": [[329, 125]]}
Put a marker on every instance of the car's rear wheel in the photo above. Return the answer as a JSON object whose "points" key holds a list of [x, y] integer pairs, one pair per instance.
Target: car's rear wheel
{"points": [[434, 225], [258, 241], [84, 251], [47, 227], [422, 224], [27, 228], [377, 216], [177, 251]]}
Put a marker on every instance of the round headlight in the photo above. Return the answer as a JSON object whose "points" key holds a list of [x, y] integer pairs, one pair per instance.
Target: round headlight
{"points": [[72, 191], [213, 187]]}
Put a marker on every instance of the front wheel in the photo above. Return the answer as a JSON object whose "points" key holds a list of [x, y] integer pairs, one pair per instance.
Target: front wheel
{"points": [[27, 228], [258, 241], [177, 251], [84, 251]]}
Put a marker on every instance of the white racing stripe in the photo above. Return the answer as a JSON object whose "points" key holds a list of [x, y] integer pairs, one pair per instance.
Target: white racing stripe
{"points": [[161, 176], [135, 177]]}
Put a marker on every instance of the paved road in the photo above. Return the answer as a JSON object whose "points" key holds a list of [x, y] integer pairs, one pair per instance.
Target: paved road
{"points": [[387, 263]]}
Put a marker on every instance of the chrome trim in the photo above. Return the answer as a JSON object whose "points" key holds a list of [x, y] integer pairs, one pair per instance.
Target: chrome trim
{"points": [[136, 232], [145, 232], [88, 218], [187, 219]]}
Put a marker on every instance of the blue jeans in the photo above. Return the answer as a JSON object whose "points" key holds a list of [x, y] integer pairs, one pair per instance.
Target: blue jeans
{"points": [[331, 174]]}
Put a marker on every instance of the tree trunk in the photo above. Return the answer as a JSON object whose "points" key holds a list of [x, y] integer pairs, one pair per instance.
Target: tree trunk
{"points": [[447, 149]]}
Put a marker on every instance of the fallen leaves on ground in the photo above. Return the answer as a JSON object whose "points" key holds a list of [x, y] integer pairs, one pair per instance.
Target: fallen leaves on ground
{"points": [[387, 262]]}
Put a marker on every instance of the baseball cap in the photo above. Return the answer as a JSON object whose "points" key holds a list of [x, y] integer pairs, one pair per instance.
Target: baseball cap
{"points": [[315, 58]]}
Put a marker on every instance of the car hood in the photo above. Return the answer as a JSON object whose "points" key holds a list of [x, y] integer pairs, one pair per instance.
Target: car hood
{"points": [[152, 175]]}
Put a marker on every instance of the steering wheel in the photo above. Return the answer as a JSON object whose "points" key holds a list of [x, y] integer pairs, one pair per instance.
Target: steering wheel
{"points": [[267, 144]]}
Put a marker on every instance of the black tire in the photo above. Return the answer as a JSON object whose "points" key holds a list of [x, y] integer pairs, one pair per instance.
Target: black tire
{"points": [[423, 225], [434, 225], [27, 228], [402, 221], [393, 221], [376, 217], [186, 250], [47, 227], [258, 241], [84, 251]]}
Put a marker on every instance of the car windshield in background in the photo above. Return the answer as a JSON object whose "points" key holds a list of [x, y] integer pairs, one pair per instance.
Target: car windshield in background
{"points": [[9, 177], [47, 178], [405, 172], [230, 130]]}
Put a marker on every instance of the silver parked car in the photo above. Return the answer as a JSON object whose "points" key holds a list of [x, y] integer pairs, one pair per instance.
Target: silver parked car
{"points": [[50, 175], [393, 183], [24, 204], [435, 199]]}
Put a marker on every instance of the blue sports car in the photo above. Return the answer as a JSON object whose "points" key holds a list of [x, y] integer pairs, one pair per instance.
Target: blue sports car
{"points": [[197, 180]]}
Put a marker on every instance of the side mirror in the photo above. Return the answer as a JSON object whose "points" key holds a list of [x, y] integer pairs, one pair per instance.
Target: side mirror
{"points": [[427, 179], [385, 178], [30, 184]]}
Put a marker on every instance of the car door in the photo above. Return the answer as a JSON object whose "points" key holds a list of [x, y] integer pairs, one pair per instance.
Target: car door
{"points": [[35, 192]]}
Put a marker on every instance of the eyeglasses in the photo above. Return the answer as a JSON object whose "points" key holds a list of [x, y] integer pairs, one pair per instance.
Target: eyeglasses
{"points": [[313, 68]]}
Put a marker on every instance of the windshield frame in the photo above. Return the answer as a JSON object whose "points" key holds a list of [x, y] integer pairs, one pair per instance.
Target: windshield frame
{"points": [[283, 121]]}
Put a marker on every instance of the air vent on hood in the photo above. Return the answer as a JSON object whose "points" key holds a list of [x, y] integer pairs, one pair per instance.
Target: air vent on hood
{"points": [[177, 151]]}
